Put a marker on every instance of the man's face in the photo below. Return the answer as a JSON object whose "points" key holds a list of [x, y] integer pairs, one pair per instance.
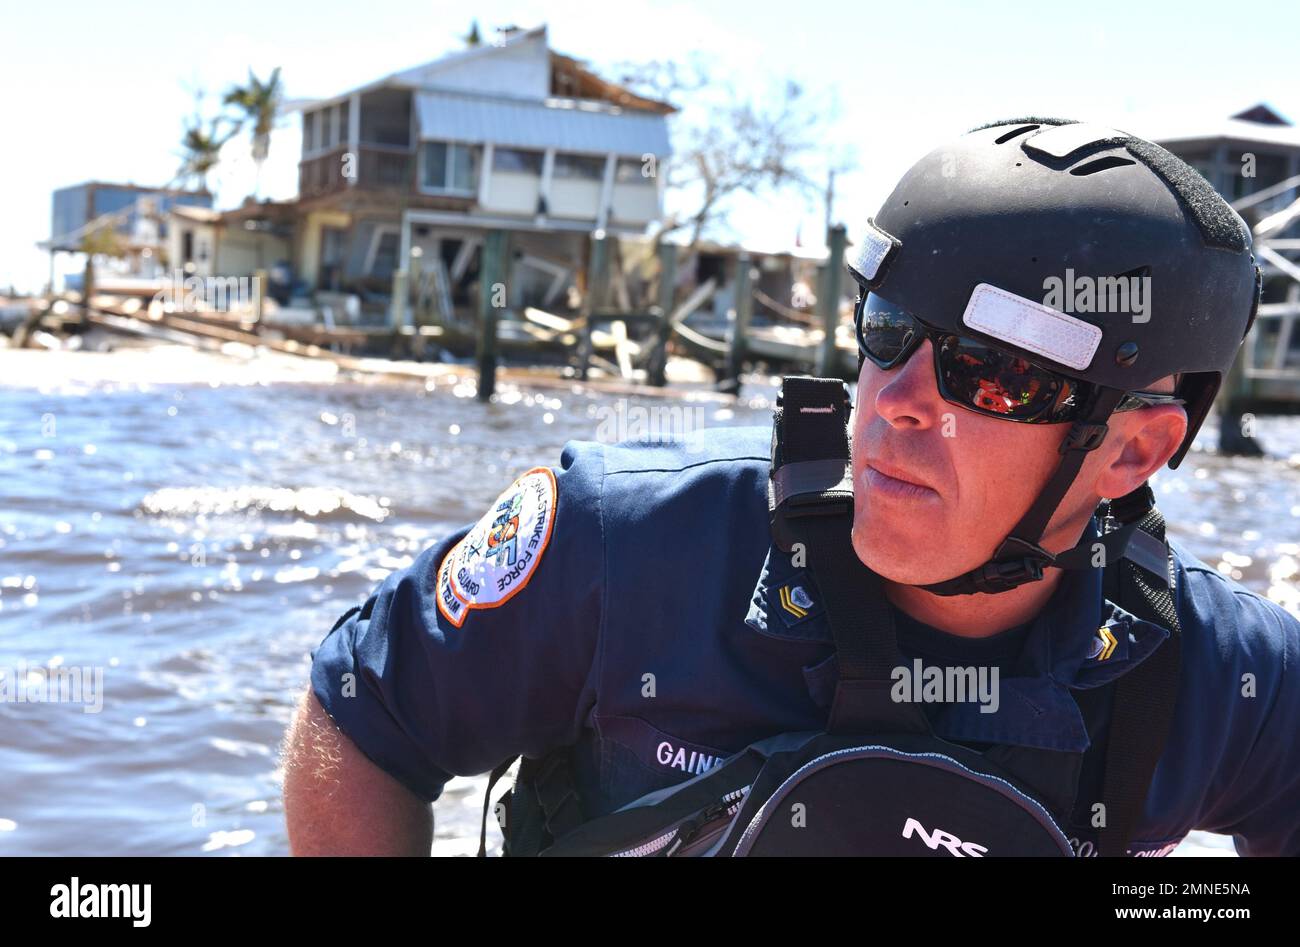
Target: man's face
{"points": [[937, 487]]}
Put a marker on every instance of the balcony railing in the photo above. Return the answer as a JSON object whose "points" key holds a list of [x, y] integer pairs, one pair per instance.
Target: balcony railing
{"points": [[376, 167]]}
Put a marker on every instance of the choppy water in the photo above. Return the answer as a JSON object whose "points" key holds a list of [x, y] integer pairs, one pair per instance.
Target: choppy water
{"points": [[195, 542]]}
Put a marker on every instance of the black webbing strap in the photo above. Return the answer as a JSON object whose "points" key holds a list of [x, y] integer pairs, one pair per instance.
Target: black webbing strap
{"points": [[1083, 437], [1019, 559], [812, 504], [1143, 707], [557, 793], [547, 787], [493, 777]]}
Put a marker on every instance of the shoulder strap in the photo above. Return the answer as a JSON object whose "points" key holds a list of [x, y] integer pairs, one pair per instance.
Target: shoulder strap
{"points": [[810, 500], [1142, 583], [498, 771]]}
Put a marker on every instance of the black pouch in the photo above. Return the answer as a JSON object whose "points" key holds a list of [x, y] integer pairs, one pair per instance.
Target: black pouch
{"points": [[833, 795], [899, 796]]}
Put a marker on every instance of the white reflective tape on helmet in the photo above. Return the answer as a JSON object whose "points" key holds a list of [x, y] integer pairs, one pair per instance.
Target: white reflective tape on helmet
{"points": [[876, 245], [1032, 326]]}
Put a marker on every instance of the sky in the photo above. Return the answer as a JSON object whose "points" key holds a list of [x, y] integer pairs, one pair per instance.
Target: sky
{"points": [[99, 91]]}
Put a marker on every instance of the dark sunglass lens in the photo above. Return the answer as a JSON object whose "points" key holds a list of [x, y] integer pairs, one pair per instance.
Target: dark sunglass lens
{"points": [[884, 330], [1000, 383]]}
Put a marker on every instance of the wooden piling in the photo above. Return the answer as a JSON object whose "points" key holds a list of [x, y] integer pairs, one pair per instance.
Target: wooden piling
{"points": [[657, 363], [740, 318], [490, 275], [828, 303], [419, 313], [397, 309], [1233, 395], [260, 278], [594, 296], [87, 285]]}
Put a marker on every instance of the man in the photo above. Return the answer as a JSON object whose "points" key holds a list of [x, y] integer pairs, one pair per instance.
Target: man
{"points": [[629, 621]]}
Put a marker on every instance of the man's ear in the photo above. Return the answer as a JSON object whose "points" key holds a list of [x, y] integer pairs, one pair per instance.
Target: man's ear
{"points": [[1144, 441]]}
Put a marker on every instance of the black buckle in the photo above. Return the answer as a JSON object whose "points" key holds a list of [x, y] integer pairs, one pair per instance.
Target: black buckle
{"points": [[1003, 576], [1084, 436], [846, 392]]}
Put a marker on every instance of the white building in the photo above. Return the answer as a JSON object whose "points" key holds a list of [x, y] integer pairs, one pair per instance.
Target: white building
{"points": [[507, 136]]}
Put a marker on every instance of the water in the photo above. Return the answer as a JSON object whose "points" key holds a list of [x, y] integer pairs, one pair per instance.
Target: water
{"points": [[195, 540]]}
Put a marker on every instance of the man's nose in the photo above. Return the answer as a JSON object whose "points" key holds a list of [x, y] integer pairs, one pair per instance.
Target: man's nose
{"points": [[909, 395]]}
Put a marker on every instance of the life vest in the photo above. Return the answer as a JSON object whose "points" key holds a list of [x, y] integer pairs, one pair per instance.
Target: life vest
{"points": [[877, 780]]}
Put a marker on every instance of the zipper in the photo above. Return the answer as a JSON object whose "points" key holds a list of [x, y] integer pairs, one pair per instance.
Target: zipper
{"points": [[671, 841], [646, 849]]}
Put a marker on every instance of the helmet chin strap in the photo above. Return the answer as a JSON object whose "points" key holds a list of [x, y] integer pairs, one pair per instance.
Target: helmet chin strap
{"points": [[1020, 559]]}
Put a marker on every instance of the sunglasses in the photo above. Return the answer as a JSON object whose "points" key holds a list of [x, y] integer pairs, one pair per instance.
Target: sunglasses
{"points": [[977, 376]]}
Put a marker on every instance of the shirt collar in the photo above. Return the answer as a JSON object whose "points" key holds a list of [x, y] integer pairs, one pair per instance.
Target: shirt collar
{"points": [[1080, 640]]}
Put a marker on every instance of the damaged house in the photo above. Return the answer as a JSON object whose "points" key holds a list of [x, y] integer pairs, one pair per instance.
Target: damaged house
{"points": [[410, 172]]}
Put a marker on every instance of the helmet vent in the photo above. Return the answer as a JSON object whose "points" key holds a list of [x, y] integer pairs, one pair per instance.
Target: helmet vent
{"points": [[1003, 139], [1101, 164]]}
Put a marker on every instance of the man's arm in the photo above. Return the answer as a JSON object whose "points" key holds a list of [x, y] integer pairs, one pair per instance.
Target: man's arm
{"points": [[448, 671], [337, 802]]}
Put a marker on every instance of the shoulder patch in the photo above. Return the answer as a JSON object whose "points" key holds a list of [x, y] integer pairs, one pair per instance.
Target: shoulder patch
{"points": [[496, 558]]}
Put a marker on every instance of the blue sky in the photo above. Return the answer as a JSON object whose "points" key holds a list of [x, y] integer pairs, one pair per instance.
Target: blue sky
{"points": [[100, 91]]}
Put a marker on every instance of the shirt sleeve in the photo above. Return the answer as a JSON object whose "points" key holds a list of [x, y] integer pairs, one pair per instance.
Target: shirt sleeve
{"points": [[486, 646], [1260, 806]]}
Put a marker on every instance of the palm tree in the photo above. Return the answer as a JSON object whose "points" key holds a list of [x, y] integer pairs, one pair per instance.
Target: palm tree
{"points": [[202, 150], [259, 101]]}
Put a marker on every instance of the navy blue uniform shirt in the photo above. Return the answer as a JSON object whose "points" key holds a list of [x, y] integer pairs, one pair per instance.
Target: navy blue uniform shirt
{"points": [[630, 603]]}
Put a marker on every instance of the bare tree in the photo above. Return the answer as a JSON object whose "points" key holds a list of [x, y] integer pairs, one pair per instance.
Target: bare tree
{"points": [[729, 144]]}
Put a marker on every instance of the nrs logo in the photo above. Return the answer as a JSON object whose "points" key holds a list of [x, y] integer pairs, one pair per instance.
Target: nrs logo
{"points": [[949, 841]]}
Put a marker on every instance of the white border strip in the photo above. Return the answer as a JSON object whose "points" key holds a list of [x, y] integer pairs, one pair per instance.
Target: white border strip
{"points": [[1032, 326]]}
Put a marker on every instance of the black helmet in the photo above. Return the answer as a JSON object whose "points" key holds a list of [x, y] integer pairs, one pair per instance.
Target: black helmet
{"points": [[976, 232]]}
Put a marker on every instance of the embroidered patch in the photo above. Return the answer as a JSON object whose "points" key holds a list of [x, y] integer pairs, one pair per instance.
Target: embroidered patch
{"points": [[657, 749], [795, 600], [1103, 645], [496, 558]]}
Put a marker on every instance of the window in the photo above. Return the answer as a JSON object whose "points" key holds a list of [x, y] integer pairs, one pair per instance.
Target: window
{"points": [[435, 165], [390, 246], [464, 168], [517, 160], [635, 171], [580, 167], [449, 167]]}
